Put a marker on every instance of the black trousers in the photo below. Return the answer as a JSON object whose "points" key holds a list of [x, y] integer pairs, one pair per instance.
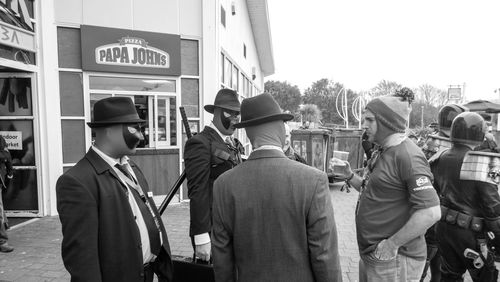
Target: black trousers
{"points": [[148, 273], [453, 240]]}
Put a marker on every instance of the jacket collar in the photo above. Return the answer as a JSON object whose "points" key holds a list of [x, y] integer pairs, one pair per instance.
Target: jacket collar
{"points": [[97, 162], [210, 131], [260, 154]]}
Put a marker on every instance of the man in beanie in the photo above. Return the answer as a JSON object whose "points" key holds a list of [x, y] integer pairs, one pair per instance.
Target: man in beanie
{"points": [[206, 156], [111, 228], [397, 202], [272, 217]]}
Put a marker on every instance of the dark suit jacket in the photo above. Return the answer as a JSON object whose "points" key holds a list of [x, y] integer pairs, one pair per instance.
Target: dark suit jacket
{"points": [[206, 156], [273, 221], [101, 241]]}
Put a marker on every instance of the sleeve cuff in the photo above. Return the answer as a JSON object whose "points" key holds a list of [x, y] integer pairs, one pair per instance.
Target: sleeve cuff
{"points": [[201, 239]]}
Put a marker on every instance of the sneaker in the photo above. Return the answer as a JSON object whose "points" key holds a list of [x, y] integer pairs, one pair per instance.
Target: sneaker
{"points": [[5, 248]]}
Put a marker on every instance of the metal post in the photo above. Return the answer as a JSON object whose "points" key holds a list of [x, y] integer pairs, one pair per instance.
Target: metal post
{"points": [[346, 109], [422, 117]]}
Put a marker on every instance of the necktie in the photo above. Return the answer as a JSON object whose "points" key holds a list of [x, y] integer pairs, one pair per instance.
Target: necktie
{"points": [[148, 215], [229, 141], [124, 170]]}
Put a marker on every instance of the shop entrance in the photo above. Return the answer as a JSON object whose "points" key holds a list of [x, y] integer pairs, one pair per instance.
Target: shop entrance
{"points": [[19, 129]]}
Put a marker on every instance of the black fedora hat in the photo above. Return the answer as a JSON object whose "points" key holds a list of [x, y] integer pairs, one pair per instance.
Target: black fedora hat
{"points": [[226, 99], [261, 109], [114, 110]]}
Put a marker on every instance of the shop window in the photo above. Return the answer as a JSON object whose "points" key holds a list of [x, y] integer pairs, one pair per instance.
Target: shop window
{"points": [[131, 84], [228, 72], [223, 60], [15, 97], [69, 49], [29, 5], [190, 96], [223, 16], [20, 141], [194, 127], [247, 88], [18, 55], [70, 85], [189, 57], [73, 140], [235, 79], [160, 115]]}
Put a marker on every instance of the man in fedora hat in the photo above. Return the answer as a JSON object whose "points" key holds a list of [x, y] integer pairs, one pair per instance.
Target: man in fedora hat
{"points": [[111, 228], [273, 218], [206, 156]]}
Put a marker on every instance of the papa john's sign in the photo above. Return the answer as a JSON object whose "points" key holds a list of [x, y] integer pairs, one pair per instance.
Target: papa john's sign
{"points": [[130, 51]]}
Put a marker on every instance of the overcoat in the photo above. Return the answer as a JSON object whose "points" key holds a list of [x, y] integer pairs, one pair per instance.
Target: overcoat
{"points": [[101, 240]]}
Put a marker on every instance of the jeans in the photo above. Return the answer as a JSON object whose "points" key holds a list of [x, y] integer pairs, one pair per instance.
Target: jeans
{"points": [[401, 268], [3, 219]]}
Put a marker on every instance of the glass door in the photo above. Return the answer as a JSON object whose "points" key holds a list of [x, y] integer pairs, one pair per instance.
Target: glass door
{"points": [[18, 128]]}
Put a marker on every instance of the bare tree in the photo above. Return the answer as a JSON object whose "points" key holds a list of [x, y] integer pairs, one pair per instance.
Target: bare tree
{"points": [[431, 95], [385, 87]]}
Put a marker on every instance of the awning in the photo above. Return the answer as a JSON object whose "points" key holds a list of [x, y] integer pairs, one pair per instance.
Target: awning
{"points": [[483, 106]]}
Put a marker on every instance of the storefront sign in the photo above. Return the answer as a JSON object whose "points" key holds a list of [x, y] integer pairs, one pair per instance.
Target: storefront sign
{"points": [[16, 37], [130, 51], [14, 139]]}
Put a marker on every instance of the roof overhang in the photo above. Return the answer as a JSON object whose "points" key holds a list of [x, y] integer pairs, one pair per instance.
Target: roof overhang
{"points": [[259, 20]]}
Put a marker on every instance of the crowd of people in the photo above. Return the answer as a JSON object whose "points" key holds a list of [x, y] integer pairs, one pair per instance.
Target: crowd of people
{"points": [[269, 217]]}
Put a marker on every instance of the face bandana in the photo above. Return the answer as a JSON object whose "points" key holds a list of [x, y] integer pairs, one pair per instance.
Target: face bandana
{"points": [[132, 135]]}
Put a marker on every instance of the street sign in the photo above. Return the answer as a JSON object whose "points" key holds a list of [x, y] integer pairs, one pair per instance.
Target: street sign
{"points": [[454, 93]]}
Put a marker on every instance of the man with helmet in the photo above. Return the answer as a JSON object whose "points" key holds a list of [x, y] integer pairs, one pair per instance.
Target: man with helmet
{"points": [[445, 117], [470, 202], [206, 156], [434, 146]]}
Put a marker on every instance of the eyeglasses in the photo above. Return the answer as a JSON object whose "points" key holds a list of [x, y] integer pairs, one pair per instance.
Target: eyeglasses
{"points": [[231, 115]]}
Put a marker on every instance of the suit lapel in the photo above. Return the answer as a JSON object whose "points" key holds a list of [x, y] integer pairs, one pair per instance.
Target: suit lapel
{"points": [[217, 141], [101, 166], [213, 135]]}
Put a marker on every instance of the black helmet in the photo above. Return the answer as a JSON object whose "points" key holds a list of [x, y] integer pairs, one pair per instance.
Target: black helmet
{"points": [[446, 116], [469, 128]]}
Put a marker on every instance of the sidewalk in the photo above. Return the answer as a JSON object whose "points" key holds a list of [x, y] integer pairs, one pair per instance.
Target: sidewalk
{"points": [[38, 243]]}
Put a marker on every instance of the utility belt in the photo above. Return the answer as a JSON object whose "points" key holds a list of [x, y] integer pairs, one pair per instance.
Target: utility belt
{"points": [[463, 220]]}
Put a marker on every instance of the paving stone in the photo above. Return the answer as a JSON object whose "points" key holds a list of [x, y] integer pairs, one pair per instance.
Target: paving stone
{"points": [[37, 254]]}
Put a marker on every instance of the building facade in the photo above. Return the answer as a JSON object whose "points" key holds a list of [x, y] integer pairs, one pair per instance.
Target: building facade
{"points": [[60, 57]]}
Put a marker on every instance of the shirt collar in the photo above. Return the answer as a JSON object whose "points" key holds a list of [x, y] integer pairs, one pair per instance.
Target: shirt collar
{"points": [[111, 161], [212, 125], [269, 147]]}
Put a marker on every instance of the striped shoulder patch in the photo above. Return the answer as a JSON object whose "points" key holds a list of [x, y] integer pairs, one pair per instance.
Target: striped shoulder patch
{"points": [[481, 166]]}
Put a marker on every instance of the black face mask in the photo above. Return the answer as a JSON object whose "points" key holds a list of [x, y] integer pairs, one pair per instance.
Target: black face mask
{"points": [[132, 135], [226, 122]]}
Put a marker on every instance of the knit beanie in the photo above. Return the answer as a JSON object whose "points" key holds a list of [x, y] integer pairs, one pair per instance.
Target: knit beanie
{"points": [[393, 111]]}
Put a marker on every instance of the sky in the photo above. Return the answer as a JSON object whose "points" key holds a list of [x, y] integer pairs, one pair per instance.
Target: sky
{"points": [[361, 42]]}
